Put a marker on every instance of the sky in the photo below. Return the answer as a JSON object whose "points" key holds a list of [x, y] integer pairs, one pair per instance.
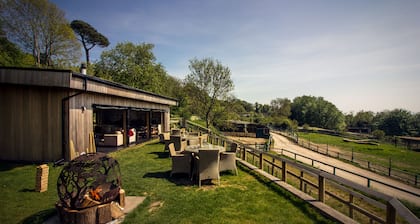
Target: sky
{"points": [[358, 54]]}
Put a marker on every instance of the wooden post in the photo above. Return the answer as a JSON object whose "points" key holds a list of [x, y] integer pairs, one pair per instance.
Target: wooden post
{"points": [[261, 161], [390, 214], [321, 188], [389, 169], [351, 215], [283, 171], [272, 166], [243, 153], [301, 181]]}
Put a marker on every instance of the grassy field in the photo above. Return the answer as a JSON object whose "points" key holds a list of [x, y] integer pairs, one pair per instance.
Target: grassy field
{"points": [[401, 158], [245, 198]]}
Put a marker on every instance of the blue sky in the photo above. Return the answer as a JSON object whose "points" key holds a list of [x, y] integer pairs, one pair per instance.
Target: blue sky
{"points": [[358, 54]]}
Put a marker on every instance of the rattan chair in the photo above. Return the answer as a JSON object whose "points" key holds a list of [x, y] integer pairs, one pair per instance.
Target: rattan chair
{"points": [[165, 138], [181, 163], [179, 143], [208, 165], [228, 159]]}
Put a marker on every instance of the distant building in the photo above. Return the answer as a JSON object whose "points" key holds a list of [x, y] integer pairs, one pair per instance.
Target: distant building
{"points": [[246, 129], [360, 130], [43, 110], [412, 143]]}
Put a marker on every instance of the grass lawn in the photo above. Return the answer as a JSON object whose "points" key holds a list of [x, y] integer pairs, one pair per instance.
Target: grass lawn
{"points": [[401, 158], [246, 198]]}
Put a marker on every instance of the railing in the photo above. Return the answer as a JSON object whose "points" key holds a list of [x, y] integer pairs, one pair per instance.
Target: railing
{"points": [[361, 203], [403, 176], [334, 169]]}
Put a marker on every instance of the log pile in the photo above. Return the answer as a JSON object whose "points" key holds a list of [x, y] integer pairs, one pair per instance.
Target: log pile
{"points": [[41, 181]]}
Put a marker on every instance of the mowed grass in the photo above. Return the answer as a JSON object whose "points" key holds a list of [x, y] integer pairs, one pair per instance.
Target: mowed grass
{"points": [[239, 199], [19, 203], [401, 158], [246, 198]]}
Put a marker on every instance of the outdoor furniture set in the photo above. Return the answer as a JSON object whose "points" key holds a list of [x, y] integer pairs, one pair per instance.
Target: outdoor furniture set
{"points": [[203, 161]]}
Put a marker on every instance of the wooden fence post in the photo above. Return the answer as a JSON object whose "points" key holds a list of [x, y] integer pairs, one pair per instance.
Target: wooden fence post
{"points": [[321, 188], [283, 171], [389, 169], [351, 215], [272, 169], [261, 161], [301, 181], [390, 213], [243, 153]]}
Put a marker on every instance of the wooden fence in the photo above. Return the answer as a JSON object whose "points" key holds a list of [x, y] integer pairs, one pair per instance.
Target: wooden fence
{"points": [[319, 188], [403, 176]]}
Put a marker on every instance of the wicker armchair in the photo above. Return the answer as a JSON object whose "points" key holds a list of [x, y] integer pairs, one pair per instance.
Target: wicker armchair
{"points": [[208, 165], [228, 159], [165, 137], [179, 143], [181, 163]]}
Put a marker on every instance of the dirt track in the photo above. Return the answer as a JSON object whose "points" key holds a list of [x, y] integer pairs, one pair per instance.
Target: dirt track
{"points": [[281, 142]]}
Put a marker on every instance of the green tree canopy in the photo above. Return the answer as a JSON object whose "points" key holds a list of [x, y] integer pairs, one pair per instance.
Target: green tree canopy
{"points": [[40, 28], [136, 66], [89, 36], [208, 82], [10, 54], [281, 107], [395, 122], [317, 112], [362, 119]]}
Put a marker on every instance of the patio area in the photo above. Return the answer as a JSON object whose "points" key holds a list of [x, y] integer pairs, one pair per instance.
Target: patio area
{"points": [[243, 198]]}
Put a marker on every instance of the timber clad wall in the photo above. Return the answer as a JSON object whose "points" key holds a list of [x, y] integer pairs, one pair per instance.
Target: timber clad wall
{"points": [[42, 110], [28, 119]]}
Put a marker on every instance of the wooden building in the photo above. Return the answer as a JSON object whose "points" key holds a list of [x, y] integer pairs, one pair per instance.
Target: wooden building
{"points": [[42, 111], [412, 143], [246, 129]]}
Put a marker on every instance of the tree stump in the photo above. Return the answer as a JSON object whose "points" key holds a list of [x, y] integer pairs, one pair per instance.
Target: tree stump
{"points": [[104, 213], [70, 216]]}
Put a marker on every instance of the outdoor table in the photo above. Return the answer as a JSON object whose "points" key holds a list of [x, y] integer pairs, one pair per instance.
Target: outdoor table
{"points": [[196, 148], [193, 150]]}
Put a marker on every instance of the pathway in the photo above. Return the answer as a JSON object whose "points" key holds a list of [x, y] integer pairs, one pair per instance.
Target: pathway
{"points": [[281, 142]]}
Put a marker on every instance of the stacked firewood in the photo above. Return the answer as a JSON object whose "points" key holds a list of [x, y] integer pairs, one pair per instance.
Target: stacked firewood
{"points": [[41, 181]]}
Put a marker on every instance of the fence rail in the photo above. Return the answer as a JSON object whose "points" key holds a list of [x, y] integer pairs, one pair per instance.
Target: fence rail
{"points": [[381, 208], [401, 175]]}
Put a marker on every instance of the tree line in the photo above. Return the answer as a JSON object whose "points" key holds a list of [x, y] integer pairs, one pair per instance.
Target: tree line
{"points": [[35, 33]]}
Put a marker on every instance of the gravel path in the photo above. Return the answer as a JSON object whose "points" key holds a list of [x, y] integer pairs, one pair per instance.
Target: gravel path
{"points": [[281, 142]]}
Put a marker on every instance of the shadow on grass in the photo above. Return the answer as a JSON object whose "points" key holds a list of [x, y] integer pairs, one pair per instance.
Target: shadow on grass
{"points": [[27, 190], [161, 155], [297, 202], [178, 179], [39, 217], [6, 165]]}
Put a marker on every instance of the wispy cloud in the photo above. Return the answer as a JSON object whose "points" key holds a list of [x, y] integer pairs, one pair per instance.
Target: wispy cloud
{"points": [[358, 54]]}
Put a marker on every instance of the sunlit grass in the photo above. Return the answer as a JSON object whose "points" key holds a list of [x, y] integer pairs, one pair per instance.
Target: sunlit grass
{"points": [[246, 198], [401, 158]]}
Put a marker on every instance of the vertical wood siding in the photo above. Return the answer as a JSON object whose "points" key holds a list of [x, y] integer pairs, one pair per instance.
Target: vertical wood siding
{"points": [[29, 119]]}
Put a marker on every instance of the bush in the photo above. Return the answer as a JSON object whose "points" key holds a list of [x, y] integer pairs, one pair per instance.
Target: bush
{"points": [[378, 134]]}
